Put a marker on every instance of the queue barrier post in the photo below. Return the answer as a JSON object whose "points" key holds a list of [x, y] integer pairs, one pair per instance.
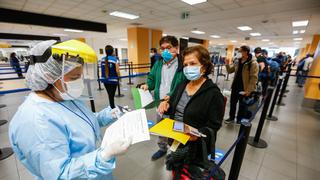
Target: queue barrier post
{"points": [[98, 75], [119, 91], [240, 150], [284, 86], [130, 73], [270, 117], [256, 141]]}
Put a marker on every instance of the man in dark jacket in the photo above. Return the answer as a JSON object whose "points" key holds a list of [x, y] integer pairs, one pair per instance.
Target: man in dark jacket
{"points": [[245, 81], [154, 56]]}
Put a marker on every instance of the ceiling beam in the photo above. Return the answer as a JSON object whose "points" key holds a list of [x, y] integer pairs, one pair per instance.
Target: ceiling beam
{"points": [[27, 37], [22, 17]]}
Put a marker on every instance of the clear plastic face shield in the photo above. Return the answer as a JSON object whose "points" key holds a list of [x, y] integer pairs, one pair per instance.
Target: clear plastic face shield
{"points": [[78, 70]]}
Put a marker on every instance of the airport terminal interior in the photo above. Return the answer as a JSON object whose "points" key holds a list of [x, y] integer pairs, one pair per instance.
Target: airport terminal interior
{"points": [[276, 136]]}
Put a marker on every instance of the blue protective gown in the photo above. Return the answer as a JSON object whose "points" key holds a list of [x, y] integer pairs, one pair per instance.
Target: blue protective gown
{"points": [[54, 143]]}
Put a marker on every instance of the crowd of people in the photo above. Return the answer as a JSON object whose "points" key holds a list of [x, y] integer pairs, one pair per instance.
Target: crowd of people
{"points": [[54, 134]]}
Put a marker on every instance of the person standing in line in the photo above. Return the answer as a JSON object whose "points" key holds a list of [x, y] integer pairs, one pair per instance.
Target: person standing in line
{"points": [[164, 77], [14, 62], [154, 57], [245, 81]]}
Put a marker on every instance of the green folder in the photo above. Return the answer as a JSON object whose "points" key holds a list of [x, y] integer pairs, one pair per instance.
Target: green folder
{"points": [[137, 100]]}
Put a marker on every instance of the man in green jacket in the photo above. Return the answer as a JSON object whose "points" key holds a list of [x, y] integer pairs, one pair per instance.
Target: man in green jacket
{"points": [[165, 76]]}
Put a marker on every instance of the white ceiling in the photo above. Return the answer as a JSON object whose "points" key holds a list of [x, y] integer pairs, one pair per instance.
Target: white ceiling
{"points": [[219, 17]]}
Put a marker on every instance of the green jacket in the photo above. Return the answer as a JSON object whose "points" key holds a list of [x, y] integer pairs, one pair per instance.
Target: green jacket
{"points": [[154, 78]]}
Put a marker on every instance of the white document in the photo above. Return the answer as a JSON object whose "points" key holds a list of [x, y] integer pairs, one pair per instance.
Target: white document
{"points": [[133, 124], [146, 97]]}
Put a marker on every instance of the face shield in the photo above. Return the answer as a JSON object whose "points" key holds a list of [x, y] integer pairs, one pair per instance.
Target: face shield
{"points": [[78, 69]]}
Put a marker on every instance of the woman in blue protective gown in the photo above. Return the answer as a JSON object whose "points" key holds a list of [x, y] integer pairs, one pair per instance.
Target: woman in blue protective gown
{"points": [[54, 135]]}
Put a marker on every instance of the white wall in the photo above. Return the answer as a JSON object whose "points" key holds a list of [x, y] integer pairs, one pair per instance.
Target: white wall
{"points": [[99, 43]]}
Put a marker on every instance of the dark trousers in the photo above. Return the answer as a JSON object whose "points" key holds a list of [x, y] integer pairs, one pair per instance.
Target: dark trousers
{"points": [[237, 98], [18, 70], [111, 90]]}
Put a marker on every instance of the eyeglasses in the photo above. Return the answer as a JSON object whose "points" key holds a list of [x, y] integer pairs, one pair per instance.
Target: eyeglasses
{"points": [[162, 49]]}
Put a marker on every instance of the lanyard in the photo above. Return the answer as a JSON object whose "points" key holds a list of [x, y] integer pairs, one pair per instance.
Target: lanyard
{"points": [[87, 120]]}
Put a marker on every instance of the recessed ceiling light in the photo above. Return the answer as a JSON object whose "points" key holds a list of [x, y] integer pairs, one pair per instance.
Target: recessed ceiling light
{"points": [[123, 39], [255, 34], [233, 41], [297, 39], [265, 40], [215, 36], [193, 2], [124, 15], [73, 30], [197, 32], [300, 23], [244, 28], [57, 34], [295, 32], [302, 31]]}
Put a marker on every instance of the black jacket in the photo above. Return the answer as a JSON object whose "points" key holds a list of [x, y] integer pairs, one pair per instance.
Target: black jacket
{"points": [[204, 109]]}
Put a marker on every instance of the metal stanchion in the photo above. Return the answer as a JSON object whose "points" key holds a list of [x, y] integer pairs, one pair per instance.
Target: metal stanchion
{"points": [[240, 150], [256, 141], [130, 73], [218, 72], [284, 86], [274, 100], [119, 92], [98, 74]]}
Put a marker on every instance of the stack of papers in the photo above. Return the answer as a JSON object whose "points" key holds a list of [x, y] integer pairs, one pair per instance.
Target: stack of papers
{"points": [[133, 125], [165, 128], [143, 99]]}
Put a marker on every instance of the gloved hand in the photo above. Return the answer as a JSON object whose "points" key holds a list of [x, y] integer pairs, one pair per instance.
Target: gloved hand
{"points": [[116, 113], [115, 149]]}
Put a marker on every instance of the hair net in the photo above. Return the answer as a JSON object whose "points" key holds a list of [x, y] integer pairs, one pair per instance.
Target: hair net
{"points": [[40, 75]]}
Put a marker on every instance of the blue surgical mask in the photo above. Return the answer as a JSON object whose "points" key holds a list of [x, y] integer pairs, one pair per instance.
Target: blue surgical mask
{"points": [[166, 54], [192, 72]]}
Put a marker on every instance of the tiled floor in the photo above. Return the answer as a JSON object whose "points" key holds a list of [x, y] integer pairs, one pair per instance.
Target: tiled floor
{"points": [[293, 150]]}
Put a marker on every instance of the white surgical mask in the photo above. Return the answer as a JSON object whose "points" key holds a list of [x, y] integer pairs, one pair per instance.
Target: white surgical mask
{"points": [[238, 55], [73, 91]]}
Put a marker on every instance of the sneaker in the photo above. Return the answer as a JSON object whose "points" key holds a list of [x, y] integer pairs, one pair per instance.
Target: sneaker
{"points": [[229, 120], [158, 155]]}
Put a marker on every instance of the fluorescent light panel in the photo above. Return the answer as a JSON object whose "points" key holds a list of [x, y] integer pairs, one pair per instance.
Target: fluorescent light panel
{"points": [[244, 28], [57, 34], [265, 40], [255, 34], [295, 32], [124, 15], [297, 39], [300, 23], [302, 31], [197, 32], [123, 39], [234, 41], [193, 2], [215, 36], [73, 30]]}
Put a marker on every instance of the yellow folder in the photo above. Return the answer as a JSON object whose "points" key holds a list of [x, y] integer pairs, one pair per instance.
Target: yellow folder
{"points": [[165, 128]]}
